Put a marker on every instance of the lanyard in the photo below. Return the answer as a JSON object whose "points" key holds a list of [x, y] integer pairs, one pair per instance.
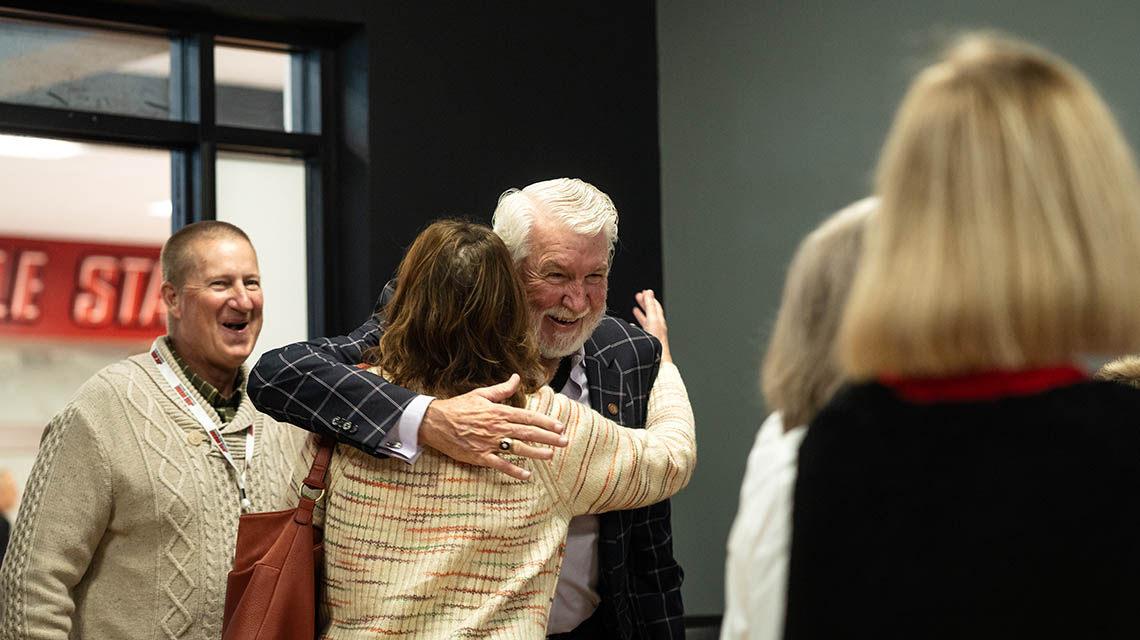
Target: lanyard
{"points": [[207, 424]]}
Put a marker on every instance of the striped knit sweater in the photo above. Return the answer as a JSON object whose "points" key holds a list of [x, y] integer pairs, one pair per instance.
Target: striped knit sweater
{"points": [[443, 549]]}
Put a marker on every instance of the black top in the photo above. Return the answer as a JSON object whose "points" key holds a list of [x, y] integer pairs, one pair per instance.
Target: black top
{"points": [[5, 531], [1010, 518]]}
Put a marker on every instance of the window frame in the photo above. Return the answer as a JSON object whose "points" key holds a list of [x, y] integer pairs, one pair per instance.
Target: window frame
{"points": [[195, 140]]}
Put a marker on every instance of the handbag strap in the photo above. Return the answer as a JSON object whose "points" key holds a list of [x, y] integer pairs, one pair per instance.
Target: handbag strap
{"points": [[315, 480], [316, 477]]}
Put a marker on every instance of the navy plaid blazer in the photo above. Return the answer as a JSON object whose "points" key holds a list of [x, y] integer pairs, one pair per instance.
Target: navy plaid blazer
{"points": [[314, 385]]}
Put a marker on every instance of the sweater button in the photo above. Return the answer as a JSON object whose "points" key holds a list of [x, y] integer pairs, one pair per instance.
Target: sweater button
{"points": [[195, 438]]}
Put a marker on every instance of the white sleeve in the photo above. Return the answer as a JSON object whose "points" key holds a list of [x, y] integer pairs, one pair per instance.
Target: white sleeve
{"points": [[756, 569], [403, 440]]}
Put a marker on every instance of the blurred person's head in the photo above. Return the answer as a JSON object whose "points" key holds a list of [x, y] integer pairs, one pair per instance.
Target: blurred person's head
{"points": [[212, 291], [1008, 227], [561, 236], [459, 318], [1124, 370], [801, 370]]}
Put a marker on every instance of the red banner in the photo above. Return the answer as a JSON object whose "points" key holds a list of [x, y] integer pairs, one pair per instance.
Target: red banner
{"points": [[59, 289]]}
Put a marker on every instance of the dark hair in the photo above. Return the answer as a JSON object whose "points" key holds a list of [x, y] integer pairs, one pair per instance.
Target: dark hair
{"points": [[459, 319], [177, 258]]}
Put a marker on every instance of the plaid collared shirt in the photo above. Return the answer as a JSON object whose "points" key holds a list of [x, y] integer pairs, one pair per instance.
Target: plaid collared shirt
{"points": [[226, 407]]}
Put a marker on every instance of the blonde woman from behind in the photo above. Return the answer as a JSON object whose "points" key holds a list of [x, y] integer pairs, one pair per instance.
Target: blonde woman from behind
{"points": [[972, 481]]}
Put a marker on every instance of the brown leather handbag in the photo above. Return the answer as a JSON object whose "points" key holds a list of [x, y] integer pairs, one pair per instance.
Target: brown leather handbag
{"points": [[271, 593]]}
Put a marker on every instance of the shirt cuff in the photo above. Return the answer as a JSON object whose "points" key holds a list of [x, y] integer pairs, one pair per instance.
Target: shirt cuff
{"points": [[403, 440]]}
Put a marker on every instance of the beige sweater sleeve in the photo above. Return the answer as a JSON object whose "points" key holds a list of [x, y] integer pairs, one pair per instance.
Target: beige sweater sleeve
{"points": [[608, 467], [63, 515]]}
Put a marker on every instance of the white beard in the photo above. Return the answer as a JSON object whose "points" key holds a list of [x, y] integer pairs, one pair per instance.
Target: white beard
{"points": [[568, 343]]}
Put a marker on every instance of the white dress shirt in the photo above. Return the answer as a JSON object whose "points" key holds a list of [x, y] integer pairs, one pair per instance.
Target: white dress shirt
{"points": [[403, 440], [576, 594]]}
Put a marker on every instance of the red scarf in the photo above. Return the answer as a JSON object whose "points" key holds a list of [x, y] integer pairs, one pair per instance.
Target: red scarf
{"points": [[985, 385]]}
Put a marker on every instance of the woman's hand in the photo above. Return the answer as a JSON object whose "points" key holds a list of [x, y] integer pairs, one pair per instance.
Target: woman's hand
{"points": [[651, 317]]}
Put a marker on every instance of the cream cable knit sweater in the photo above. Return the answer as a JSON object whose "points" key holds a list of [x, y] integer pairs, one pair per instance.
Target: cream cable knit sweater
{"points": [[442, 549], [129, 518]]}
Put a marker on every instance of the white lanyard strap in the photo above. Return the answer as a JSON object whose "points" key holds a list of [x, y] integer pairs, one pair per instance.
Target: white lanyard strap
{"points": [[207, 423]]}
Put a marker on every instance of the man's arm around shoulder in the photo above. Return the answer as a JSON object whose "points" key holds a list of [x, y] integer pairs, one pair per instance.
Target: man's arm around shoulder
{"points": [[317, 385]]}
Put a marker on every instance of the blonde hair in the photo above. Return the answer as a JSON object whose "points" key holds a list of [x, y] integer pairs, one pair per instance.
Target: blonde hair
{"points": [[572, 203], [1124, 370], [800, 371], [1009, 223]]}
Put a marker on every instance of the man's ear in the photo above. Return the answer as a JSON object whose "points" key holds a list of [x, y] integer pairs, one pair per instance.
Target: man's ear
{"points": [[170, 297]]}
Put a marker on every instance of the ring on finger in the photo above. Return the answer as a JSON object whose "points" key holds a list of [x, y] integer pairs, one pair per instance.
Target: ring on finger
{"points": [[505, 444]]}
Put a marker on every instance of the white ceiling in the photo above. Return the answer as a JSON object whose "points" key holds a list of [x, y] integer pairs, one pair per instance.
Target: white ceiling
{"points": [[101, 193]]}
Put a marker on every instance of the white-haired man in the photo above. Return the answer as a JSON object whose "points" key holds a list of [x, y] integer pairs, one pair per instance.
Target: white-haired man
{"points": [[129, 519], [618, 577]]}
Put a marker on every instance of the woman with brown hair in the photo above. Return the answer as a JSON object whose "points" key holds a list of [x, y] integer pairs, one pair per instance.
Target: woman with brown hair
{"points": [[444, 549], [973, 482]]}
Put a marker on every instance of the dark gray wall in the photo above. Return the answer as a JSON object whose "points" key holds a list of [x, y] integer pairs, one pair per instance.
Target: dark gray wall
{"points": [[772, 114], [471, 98]]}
